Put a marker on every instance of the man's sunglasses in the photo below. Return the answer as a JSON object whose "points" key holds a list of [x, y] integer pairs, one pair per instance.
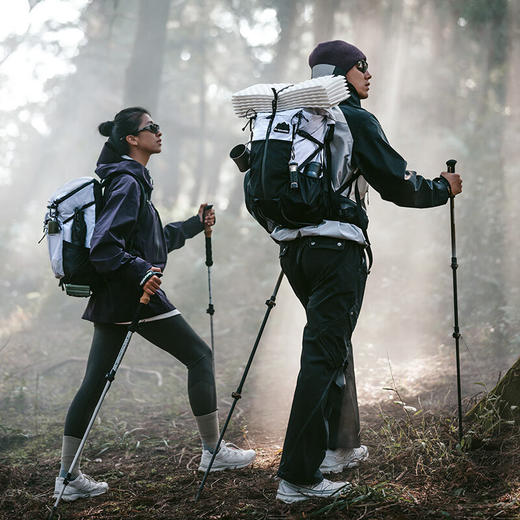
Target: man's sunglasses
{"points": [[152, 127], [362, 66]]}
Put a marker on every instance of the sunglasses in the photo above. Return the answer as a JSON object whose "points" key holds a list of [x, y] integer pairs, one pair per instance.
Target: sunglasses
{"points": [[362, 66], [152, 127]]}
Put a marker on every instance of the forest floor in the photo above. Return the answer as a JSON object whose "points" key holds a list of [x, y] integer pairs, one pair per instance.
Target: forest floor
{"points": [[416, 470]]}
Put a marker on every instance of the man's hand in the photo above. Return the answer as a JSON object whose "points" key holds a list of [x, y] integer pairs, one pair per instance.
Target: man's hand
{"points": [[152, 285], [209, 217], [455, 182]]}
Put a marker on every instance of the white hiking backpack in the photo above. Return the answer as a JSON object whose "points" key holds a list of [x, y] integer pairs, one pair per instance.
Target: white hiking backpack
{"points": [[69, 225]]}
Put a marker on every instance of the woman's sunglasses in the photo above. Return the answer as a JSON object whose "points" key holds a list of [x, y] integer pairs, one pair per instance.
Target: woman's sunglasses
{"points": [[362, 66], [152, 127]]}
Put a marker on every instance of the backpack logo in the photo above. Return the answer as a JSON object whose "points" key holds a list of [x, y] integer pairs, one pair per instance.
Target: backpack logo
{"points": [[282, 128]]}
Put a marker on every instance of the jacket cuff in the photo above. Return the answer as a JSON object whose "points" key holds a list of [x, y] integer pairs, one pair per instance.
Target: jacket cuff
{"points": [[192, 226], [135, 270], [446, 183]]}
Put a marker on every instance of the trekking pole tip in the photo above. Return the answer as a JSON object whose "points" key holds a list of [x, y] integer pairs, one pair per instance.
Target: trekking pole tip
{"points": [[199, 491]]}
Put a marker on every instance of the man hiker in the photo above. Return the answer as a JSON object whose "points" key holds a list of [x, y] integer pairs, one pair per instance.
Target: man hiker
{"points": [[326, 267]]}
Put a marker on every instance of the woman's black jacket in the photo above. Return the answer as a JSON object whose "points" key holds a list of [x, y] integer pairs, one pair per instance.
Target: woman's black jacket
{"points": [[128, 240]]}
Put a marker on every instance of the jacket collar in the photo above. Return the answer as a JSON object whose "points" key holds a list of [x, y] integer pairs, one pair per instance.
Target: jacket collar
{"points": [[353, 99], [110, 162]]}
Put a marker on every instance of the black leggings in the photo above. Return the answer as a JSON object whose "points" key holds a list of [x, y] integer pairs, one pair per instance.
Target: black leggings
{"points": [[173, 335]]}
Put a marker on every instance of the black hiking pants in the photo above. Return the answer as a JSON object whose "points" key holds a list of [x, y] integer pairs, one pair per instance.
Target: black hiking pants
{"points": [[173, 335], [328, 276]]}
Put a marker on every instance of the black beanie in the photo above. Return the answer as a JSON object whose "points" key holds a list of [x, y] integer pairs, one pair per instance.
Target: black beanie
{"points": [[342, 55]]}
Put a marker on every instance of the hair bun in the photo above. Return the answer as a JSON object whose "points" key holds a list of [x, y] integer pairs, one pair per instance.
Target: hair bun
{"points": [[106, 128]]}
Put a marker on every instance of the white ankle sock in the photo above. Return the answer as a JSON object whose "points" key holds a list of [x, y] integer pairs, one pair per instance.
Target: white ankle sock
{"points": [[69, 448], [208, 430]]}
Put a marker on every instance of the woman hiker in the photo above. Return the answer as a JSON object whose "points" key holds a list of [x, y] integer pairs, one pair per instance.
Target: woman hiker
{"points": [[129, 244]]}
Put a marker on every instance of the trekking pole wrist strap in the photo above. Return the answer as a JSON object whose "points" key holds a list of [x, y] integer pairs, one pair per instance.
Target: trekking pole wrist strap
{"points": [[447, 184], [148, 275]]}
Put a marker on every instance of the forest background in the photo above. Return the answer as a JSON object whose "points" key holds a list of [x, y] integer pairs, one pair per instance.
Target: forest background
{"points": [[445, 85]]}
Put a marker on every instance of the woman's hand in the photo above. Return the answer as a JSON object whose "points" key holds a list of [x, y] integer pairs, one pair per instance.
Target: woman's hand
{"points": [[209, 217], [153, 284]]}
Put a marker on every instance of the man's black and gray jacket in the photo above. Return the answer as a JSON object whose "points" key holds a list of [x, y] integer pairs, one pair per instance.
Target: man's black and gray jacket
{"points": [[359, 144]]}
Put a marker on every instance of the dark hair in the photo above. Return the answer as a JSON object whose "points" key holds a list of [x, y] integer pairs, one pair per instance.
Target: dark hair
{"points": [[125, 123]]}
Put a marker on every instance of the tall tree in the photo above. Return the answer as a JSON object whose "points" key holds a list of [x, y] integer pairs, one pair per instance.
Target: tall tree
{"points": [[323, 19], [511, 154], [143, 76], [287, 15]]}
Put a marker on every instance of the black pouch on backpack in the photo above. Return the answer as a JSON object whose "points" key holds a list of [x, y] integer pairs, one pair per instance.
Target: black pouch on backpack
{"points": [[351, 212], [308, 203]]}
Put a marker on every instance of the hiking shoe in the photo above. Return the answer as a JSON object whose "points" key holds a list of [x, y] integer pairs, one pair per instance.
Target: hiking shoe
{"points": [[229, 456], [290, 493], [336, 461], [82, 486]]}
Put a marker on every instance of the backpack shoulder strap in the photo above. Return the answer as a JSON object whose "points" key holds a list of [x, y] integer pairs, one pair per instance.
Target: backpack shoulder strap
{"points": [[105, 183]]}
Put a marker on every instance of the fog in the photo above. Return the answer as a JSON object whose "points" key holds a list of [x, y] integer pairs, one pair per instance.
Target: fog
{"points": [[445, 85]]}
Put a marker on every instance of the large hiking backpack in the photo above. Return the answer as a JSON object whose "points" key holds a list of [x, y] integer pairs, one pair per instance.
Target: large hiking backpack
{"points": [[289, 182], [69, 225]]}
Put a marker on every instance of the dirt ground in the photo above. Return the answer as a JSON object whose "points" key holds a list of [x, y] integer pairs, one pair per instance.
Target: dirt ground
{"points": [[416, 470]]}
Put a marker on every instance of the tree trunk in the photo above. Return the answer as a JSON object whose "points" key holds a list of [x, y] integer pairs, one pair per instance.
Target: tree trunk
{"points": [[199, 173], [323, 26], [511, 157], [503, 402], [491, 224], [143, 76], [287, 12]]}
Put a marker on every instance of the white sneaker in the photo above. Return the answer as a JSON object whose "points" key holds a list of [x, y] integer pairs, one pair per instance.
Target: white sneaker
{"points": [[82, 486], [228, 457], [290, 493], [336, 461]]}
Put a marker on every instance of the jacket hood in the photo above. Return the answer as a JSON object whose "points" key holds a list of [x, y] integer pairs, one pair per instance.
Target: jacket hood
{"points": [[110, 162]]}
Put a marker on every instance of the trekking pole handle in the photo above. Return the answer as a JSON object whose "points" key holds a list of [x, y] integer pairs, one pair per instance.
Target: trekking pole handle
{"points": [[451, 165], [145, 298], [451, 169], [209, 252], [207, 232], [207, 229]]}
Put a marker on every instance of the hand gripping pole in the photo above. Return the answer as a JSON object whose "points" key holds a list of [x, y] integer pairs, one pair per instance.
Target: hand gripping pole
{"points": [[456, 332], [145, 299], [237, 394]]}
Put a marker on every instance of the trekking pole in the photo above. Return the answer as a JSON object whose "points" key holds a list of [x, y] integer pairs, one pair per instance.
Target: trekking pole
{"points": [[271, 302], [145, 299], [209, 262], [456, 333]]}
